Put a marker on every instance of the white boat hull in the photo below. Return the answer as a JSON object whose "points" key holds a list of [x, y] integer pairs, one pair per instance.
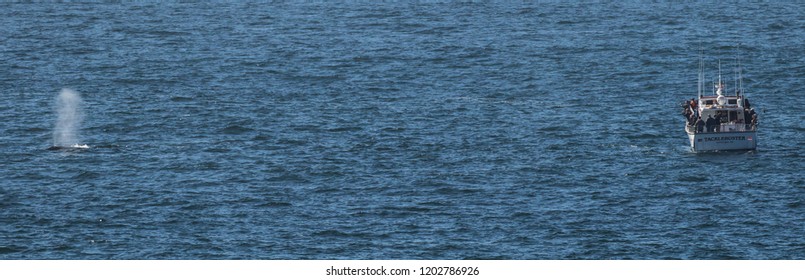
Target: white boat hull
{"points": [[723, 141]]}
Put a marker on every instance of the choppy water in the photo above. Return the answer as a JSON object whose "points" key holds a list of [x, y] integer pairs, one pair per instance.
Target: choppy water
{"points": [[395, 131]]}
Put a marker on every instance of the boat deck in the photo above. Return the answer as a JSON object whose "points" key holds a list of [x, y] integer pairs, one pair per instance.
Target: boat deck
{"points": [[723, 128]]}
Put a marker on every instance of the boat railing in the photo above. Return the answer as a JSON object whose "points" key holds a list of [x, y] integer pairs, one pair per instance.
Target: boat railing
{"points": [[723, 128]]}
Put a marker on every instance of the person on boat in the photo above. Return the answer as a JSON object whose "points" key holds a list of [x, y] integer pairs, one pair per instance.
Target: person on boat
{"points": [[690, 116], [717, 122], [746, 103], [699, 125], [747, 116], [710, 123], [754, 121], [693, 104]]}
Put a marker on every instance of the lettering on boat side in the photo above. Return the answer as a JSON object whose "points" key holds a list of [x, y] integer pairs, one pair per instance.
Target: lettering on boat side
{"points": [[724, 138]]}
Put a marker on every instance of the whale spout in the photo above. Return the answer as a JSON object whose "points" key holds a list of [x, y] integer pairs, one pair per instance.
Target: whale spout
{"points": [[69, 117]]}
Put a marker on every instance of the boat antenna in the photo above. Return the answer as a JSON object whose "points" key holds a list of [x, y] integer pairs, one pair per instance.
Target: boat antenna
{"points": [[701, 72], [719, 72], [714, 85], [735, 76], [740, 72]]}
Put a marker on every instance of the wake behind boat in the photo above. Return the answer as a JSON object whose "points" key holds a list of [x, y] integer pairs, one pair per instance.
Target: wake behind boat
{"points": [[719, 122]]}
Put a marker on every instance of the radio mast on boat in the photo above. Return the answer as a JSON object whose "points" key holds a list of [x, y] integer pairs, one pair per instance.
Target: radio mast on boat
{"points": [[740, 72], [701, 73], [718, 86]]}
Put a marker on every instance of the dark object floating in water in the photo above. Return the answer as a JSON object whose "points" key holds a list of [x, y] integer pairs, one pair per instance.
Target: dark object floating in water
{"points": [[73, 147]]}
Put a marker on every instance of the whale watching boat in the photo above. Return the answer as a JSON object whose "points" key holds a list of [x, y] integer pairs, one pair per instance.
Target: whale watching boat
{"points": [[720, 122]]}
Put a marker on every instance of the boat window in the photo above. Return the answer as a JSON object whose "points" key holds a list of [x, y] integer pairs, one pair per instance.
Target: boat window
{"points": [[733, 115], [708, 102], [732, 101]]}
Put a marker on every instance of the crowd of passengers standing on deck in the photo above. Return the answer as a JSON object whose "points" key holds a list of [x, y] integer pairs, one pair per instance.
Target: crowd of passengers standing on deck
{"points": [[713, 123]]}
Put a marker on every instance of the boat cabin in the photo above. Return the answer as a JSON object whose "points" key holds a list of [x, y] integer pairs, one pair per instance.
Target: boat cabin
{"points": [[730, 113], [730, 108]]}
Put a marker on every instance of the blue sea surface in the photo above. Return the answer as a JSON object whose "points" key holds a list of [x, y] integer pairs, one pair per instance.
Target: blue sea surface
{"points": [[396, 131]]}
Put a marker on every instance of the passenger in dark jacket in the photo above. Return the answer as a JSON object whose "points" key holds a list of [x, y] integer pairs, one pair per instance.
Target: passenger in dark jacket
{"points": [[717, 123], [699, 125], [747, 116], [710, 123]]}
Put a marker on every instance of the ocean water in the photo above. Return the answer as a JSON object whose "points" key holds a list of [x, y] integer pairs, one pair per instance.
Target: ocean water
{"points": [[396, 131]]}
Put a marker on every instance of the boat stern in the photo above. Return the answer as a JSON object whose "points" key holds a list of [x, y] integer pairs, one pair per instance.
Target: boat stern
{"points": [[723, 141]]}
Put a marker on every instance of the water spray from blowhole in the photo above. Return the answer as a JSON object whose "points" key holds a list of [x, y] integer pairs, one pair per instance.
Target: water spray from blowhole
{"points": [[68, 121]]}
